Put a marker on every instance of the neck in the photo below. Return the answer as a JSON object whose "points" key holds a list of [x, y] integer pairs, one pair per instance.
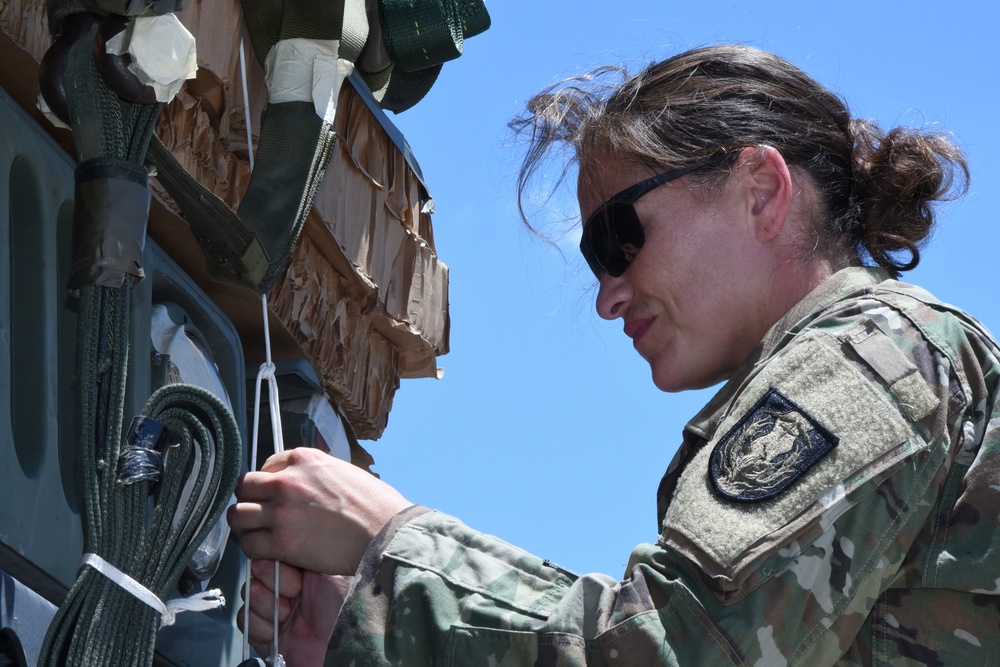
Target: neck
{"points": [[793, 280]]}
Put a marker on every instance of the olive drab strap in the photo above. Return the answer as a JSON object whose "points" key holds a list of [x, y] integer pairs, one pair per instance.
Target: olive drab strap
{"points": [[132, 560], [413, 40], [296, 37], [400, 62]]}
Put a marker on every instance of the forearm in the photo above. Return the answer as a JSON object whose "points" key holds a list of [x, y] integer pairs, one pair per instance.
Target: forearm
{"points": [[432, 590]]}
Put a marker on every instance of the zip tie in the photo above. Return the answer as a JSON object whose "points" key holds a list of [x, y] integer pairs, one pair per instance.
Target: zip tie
{"points": [[210, 599]]}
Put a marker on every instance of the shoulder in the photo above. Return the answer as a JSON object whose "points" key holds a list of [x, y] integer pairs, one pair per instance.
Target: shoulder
{"points": [[870, 382]]}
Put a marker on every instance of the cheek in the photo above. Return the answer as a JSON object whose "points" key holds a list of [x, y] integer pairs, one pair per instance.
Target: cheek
{"points": [[686, 284]]}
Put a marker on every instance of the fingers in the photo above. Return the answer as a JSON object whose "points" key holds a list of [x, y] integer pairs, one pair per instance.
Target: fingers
{"points": [[276, 462], [262, 599], [254, 487], [289, 577], [259, 544], [260, 619], [310, 509], [297, 457], [245, 517], [255, 495]]}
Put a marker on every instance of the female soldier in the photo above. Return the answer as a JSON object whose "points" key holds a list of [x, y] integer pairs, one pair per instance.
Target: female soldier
{"points": [[832, 504]]}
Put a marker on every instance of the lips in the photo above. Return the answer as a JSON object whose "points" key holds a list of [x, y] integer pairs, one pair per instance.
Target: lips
{"points": [[634, 329]]}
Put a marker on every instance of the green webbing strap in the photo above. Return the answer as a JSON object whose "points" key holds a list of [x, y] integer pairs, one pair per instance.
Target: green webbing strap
{"points": [[269, 21], [233, 251], [299, 145], [252, 247], [100, 623], [419, 35]]}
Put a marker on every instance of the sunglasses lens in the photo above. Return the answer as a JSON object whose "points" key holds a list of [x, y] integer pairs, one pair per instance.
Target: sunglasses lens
{"points": [[611, 239]]}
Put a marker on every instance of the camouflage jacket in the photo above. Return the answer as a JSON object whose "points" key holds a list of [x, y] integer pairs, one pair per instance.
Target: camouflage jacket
{"points": [[836, 503]]}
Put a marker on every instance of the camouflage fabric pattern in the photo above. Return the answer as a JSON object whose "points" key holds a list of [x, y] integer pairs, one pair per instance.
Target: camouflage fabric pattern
{"points": [[894, 562]]}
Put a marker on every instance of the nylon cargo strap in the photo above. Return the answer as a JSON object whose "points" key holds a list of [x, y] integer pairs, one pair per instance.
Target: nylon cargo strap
{"points": [[297, 138], [100, 622]]}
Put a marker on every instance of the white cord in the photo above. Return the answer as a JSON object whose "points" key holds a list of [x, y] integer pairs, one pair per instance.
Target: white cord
{"points": [[211, 599], [246, 103], [266, 372], [253, 454]]}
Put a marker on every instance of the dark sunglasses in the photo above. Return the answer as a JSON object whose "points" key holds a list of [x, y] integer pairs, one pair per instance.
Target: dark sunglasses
{"points": [[612, 235]]}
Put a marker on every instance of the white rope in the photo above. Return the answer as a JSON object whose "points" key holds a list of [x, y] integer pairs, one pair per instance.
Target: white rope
{"points": [[210, 599], [279, 446], [246, 104], [266, 372], [253, 455]]}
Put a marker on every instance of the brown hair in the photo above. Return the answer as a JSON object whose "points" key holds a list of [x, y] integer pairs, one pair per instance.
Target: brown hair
{"points": [[876, 188]]}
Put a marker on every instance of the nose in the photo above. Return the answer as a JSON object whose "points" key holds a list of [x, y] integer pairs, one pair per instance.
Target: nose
{"points": [[613, 296]]}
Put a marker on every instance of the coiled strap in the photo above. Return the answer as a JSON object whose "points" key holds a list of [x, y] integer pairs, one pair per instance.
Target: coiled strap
{"points": [[101, 622]]}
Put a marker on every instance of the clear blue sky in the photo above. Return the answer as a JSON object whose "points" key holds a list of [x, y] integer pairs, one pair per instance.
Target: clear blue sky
{"points": [[546, 429]]}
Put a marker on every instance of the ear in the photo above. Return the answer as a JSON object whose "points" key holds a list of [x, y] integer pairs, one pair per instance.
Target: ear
{"points": [[769, 190]]}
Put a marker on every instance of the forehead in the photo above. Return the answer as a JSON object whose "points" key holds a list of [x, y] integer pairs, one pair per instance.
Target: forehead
{"points": [[602, 178]]}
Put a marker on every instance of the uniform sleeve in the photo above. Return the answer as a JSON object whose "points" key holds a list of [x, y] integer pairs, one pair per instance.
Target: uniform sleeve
{"points": [[786, 527]]}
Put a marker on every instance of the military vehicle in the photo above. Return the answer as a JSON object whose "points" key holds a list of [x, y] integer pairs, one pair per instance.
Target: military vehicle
{"points": [[116, 285]]}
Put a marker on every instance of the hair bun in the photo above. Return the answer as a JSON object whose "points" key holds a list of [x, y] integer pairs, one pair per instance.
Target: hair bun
{"points": [[899, 175]]}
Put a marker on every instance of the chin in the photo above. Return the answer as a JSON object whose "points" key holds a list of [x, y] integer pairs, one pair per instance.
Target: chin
{"points": [[667, 383], [677, 382]]}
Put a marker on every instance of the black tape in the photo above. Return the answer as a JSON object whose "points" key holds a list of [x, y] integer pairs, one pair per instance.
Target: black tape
{"points": [[140, 459], [114, 68], [109, 222]]}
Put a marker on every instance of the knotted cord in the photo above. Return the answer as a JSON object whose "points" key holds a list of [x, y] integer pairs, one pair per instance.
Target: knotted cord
{"points": [[266, 371]]}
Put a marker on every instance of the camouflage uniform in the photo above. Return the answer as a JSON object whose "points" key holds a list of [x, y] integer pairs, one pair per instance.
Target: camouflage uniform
{"points": [[836, 503]]}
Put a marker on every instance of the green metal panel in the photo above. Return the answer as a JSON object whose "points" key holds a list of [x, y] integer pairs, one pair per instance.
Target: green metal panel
{"points": [[39, 517], [40, 535]]}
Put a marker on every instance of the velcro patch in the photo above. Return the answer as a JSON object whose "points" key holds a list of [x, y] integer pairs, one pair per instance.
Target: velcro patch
{"points": [[719, 535], [768, 449]]}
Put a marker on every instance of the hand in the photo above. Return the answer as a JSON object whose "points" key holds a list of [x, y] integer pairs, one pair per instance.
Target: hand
{"points": [[308, 606], [312, 510]]}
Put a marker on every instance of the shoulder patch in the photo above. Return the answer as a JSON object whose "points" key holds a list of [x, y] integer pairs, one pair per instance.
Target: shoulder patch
{"points": [[768, 449]]}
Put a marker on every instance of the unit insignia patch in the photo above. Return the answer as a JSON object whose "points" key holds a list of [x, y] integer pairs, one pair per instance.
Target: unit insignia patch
{"points": [[769, 448]]}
